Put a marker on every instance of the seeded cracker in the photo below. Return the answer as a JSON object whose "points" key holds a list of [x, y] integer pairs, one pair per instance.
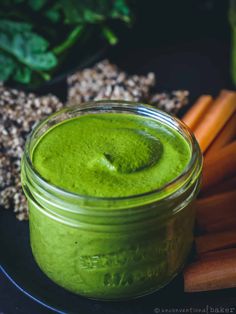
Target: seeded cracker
{"points": [[19, 111], [107, 81]]}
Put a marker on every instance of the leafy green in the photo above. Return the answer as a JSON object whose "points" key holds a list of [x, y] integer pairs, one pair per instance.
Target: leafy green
{"points": [[22, 74], [94, 11], [109, 35], [7, 66], [70, 40], [53, 14], [13, 27], [23, 51], [36, 35], [36, 4]]}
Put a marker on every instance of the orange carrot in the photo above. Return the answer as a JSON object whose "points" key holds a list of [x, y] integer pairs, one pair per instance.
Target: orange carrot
{"points": [[224, 186], [215, 241], [217, 272], [217, 212], [219, 167], [225, 253], [215, 118], [226, 135], [195, 113]]}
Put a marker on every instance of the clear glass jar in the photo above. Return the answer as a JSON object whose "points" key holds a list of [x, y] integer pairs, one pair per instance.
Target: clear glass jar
{"points": [[129, 251]]}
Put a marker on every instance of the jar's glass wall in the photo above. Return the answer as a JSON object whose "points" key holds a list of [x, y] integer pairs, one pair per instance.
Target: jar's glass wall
{"points": [[112, 265]]}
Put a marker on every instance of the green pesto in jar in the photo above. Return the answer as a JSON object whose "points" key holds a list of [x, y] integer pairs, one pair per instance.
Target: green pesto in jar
{"points": [[112, 155]]}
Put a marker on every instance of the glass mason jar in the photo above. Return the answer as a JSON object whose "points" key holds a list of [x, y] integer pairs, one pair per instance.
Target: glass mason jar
{"points": [[111, 248]]}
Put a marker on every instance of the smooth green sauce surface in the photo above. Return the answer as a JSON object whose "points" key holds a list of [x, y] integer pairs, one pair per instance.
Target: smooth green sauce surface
{"points": [[110, 155]]}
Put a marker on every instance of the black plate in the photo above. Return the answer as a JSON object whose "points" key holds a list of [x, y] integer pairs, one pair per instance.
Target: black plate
{"points": [[199, 75]]}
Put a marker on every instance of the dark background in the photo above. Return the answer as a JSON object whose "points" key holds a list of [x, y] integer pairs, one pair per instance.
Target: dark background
{"points": [[186, 44]]}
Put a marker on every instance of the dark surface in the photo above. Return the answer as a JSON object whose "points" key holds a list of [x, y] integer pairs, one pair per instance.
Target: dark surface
{"points": [[195, 57]]}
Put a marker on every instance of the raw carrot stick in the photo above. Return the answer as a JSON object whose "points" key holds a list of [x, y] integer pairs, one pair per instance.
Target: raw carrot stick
{"points": [[195, 113], [219, 167], [215, 241], [215, 118], [217, 272], [217, 213], [220, 253], [226, 135], [224, 186]]}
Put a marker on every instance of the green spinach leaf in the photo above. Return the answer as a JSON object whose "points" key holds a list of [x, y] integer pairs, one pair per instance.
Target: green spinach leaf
{"points": [[94, 11], [7, 66], [35, 35], [22, 74], [28, 48], [37, 4]]}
